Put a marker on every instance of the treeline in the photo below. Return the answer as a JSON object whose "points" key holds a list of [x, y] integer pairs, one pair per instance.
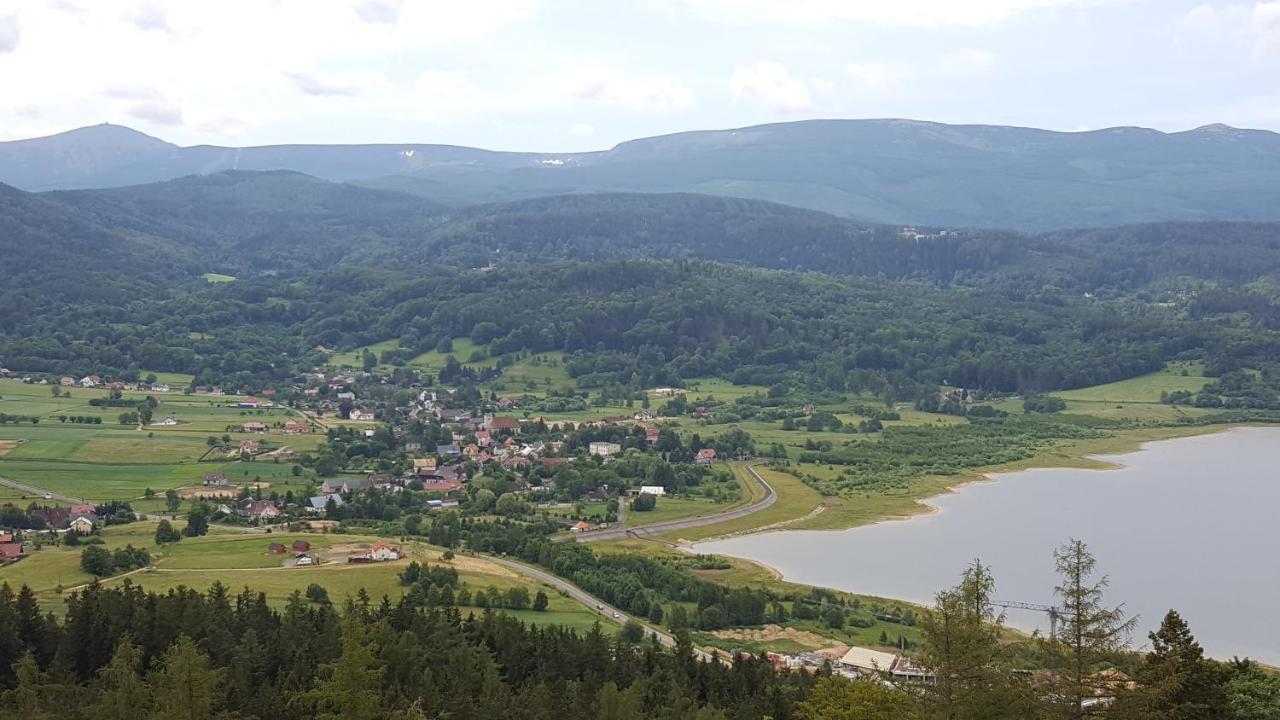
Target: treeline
{"points": [[123, 653]]}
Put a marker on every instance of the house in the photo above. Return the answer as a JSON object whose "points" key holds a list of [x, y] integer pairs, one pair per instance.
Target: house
{"points": [[643, 416], [10, 551], [424, 466], [304, 560], [259, 510], [705, 456], [90, 381], [652, 490], [347, 396], [362, 415], [253, 427], [504, 423], [483, 438], [346, 485], [320, 502], [382, 552], [6, 537], [651, 435], [250, 446], [83, 524], [214, 479], [66, 381], [604, 449], [581, 526], [301, 546], [876, 663], [293, 427], [167, 422], [276, 548], [441, 485], [448, 450]]}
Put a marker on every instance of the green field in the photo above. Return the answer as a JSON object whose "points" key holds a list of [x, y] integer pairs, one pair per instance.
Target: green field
{"points": [[677, 508], [238, 559], [113, 461], [1144, 388]]}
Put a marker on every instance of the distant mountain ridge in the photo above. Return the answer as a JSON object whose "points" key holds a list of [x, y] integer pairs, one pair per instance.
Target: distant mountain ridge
{"points": [[884, 171]]}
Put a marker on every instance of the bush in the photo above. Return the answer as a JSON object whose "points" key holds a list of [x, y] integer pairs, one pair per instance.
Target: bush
{"points": [[317, 594]]}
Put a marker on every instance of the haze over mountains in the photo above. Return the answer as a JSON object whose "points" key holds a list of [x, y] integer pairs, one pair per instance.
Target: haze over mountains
{"points": [[878, 171]]}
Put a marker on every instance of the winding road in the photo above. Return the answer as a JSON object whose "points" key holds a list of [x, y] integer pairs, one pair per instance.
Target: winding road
{"points": [[607, 611], [621, 533]]}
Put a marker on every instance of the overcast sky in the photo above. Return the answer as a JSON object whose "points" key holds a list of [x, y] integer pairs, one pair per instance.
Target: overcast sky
{"points": [[561, 75]]}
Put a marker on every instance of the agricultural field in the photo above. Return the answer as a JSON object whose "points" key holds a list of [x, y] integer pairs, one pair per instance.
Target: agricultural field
{"points": [[239, 559], [677, 508], [113, 461]]}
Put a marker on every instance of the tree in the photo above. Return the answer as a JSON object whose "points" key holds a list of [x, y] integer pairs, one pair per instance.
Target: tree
{"points": [[197, 521], [122, 692], [1252, 693], [166, 533], [351, 687], [644, 502], [540, 601], [96, 560], [1090, 632], [171, 500], [835, 698], [185, 686], [1183, 684], [962, 649], [632, 631], [317, 594]]}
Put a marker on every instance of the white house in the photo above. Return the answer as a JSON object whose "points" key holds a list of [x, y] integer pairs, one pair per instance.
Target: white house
{"points": [[362, 415], [652, 490], [167, 422], [384, 551], [604, 449]]}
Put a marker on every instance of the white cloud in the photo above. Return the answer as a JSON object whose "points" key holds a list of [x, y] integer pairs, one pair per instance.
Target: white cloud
{"points": [[1257, 24], [10, 33], [581, 129], [970, 61], [612, 87], [895, 13], [771, 85], [343, 85], [150, 16], [875, 77], [159, 112], [379, 11], [131, 91], [1266, 29]]}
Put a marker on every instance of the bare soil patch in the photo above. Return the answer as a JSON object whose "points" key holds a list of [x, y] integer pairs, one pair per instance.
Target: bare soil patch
{"points": [[187, 493], [7, 445], [768, 633]]}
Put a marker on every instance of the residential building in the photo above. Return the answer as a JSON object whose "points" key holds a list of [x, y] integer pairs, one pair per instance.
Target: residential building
{"points": [[705, 456], [652, 490], [604, 449]]}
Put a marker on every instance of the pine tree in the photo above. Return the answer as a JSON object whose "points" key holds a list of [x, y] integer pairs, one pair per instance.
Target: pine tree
{"points": [[185, 686], [122, 692], [351, 690], [1091, 632], [835, 698], [1184, 684], [963, 650]]}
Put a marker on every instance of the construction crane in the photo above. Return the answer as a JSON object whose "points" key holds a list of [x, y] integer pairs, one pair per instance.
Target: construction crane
{"points": [[1053, 612]]}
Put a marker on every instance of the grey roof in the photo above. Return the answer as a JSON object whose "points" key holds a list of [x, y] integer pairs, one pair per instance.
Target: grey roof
{"points": [[320, 501]]}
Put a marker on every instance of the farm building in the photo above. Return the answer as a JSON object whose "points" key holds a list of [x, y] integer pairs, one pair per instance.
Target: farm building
{"points": [[276, 548], [301, 546]]}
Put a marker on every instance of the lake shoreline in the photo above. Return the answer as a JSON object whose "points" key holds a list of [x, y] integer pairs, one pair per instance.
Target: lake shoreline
{"points": [[1117, 453]]}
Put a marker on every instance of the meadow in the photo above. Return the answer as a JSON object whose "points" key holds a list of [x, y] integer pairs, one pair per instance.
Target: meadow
{"points": [[113, 461]]}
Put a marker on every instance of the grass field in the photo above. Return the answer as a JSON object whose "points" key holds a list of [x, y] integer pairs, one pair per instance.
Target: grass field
{"points": [[113, 461], [463, 349], [677, 508], [1144, 388], [238, 560]]}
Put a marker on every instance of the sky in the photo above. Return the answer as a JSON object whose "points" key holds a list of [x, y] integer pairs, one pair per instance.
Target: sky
{"points": [[566, 75]]}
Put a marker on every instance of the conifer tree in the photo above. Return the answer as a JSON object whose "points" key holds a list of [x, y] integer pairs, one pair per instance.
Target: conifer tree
{"points": [[122, 693], [185, 687]]}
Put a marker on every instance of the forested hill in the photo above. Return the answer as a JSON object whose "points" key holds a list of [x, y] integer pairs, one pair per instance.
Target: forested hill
{"points": [[885, 171]]}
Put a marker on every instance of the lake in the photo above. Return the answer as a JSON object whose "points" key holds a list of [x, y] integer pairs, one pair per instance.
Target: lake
{"points": [[1189, 524]]}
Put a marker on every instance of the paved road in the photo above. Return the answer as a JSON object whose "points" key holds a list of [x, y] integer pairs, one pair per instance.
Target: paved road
{"points": [[39, 492], [607, 611], [620, 533]]}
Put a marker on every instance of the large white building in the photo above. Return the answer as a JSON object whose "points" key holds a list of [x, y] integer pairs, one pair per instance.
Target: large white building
{"points": [[604, 449]]}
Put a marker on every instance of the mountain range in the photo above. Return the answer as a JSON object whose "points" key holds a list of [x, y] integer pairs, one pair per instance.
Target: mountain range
{"points": [[875, 171]]}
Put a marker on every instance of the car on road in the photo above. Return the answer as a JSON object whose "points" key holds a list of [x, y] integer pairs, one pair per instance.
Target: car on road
{"points": [[48, 496], [599, 607], [616, 616]]}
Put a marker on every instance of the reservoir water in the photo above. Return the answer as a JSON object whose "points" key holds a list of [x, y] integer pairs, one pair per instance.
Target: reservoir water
{"points": [[1191, 524]]}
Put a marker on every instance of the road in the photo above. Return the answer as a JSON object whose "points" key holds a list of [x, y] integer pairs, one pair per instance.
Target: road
{"points": [[621, 533], [607, 611], [39, 492]]}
